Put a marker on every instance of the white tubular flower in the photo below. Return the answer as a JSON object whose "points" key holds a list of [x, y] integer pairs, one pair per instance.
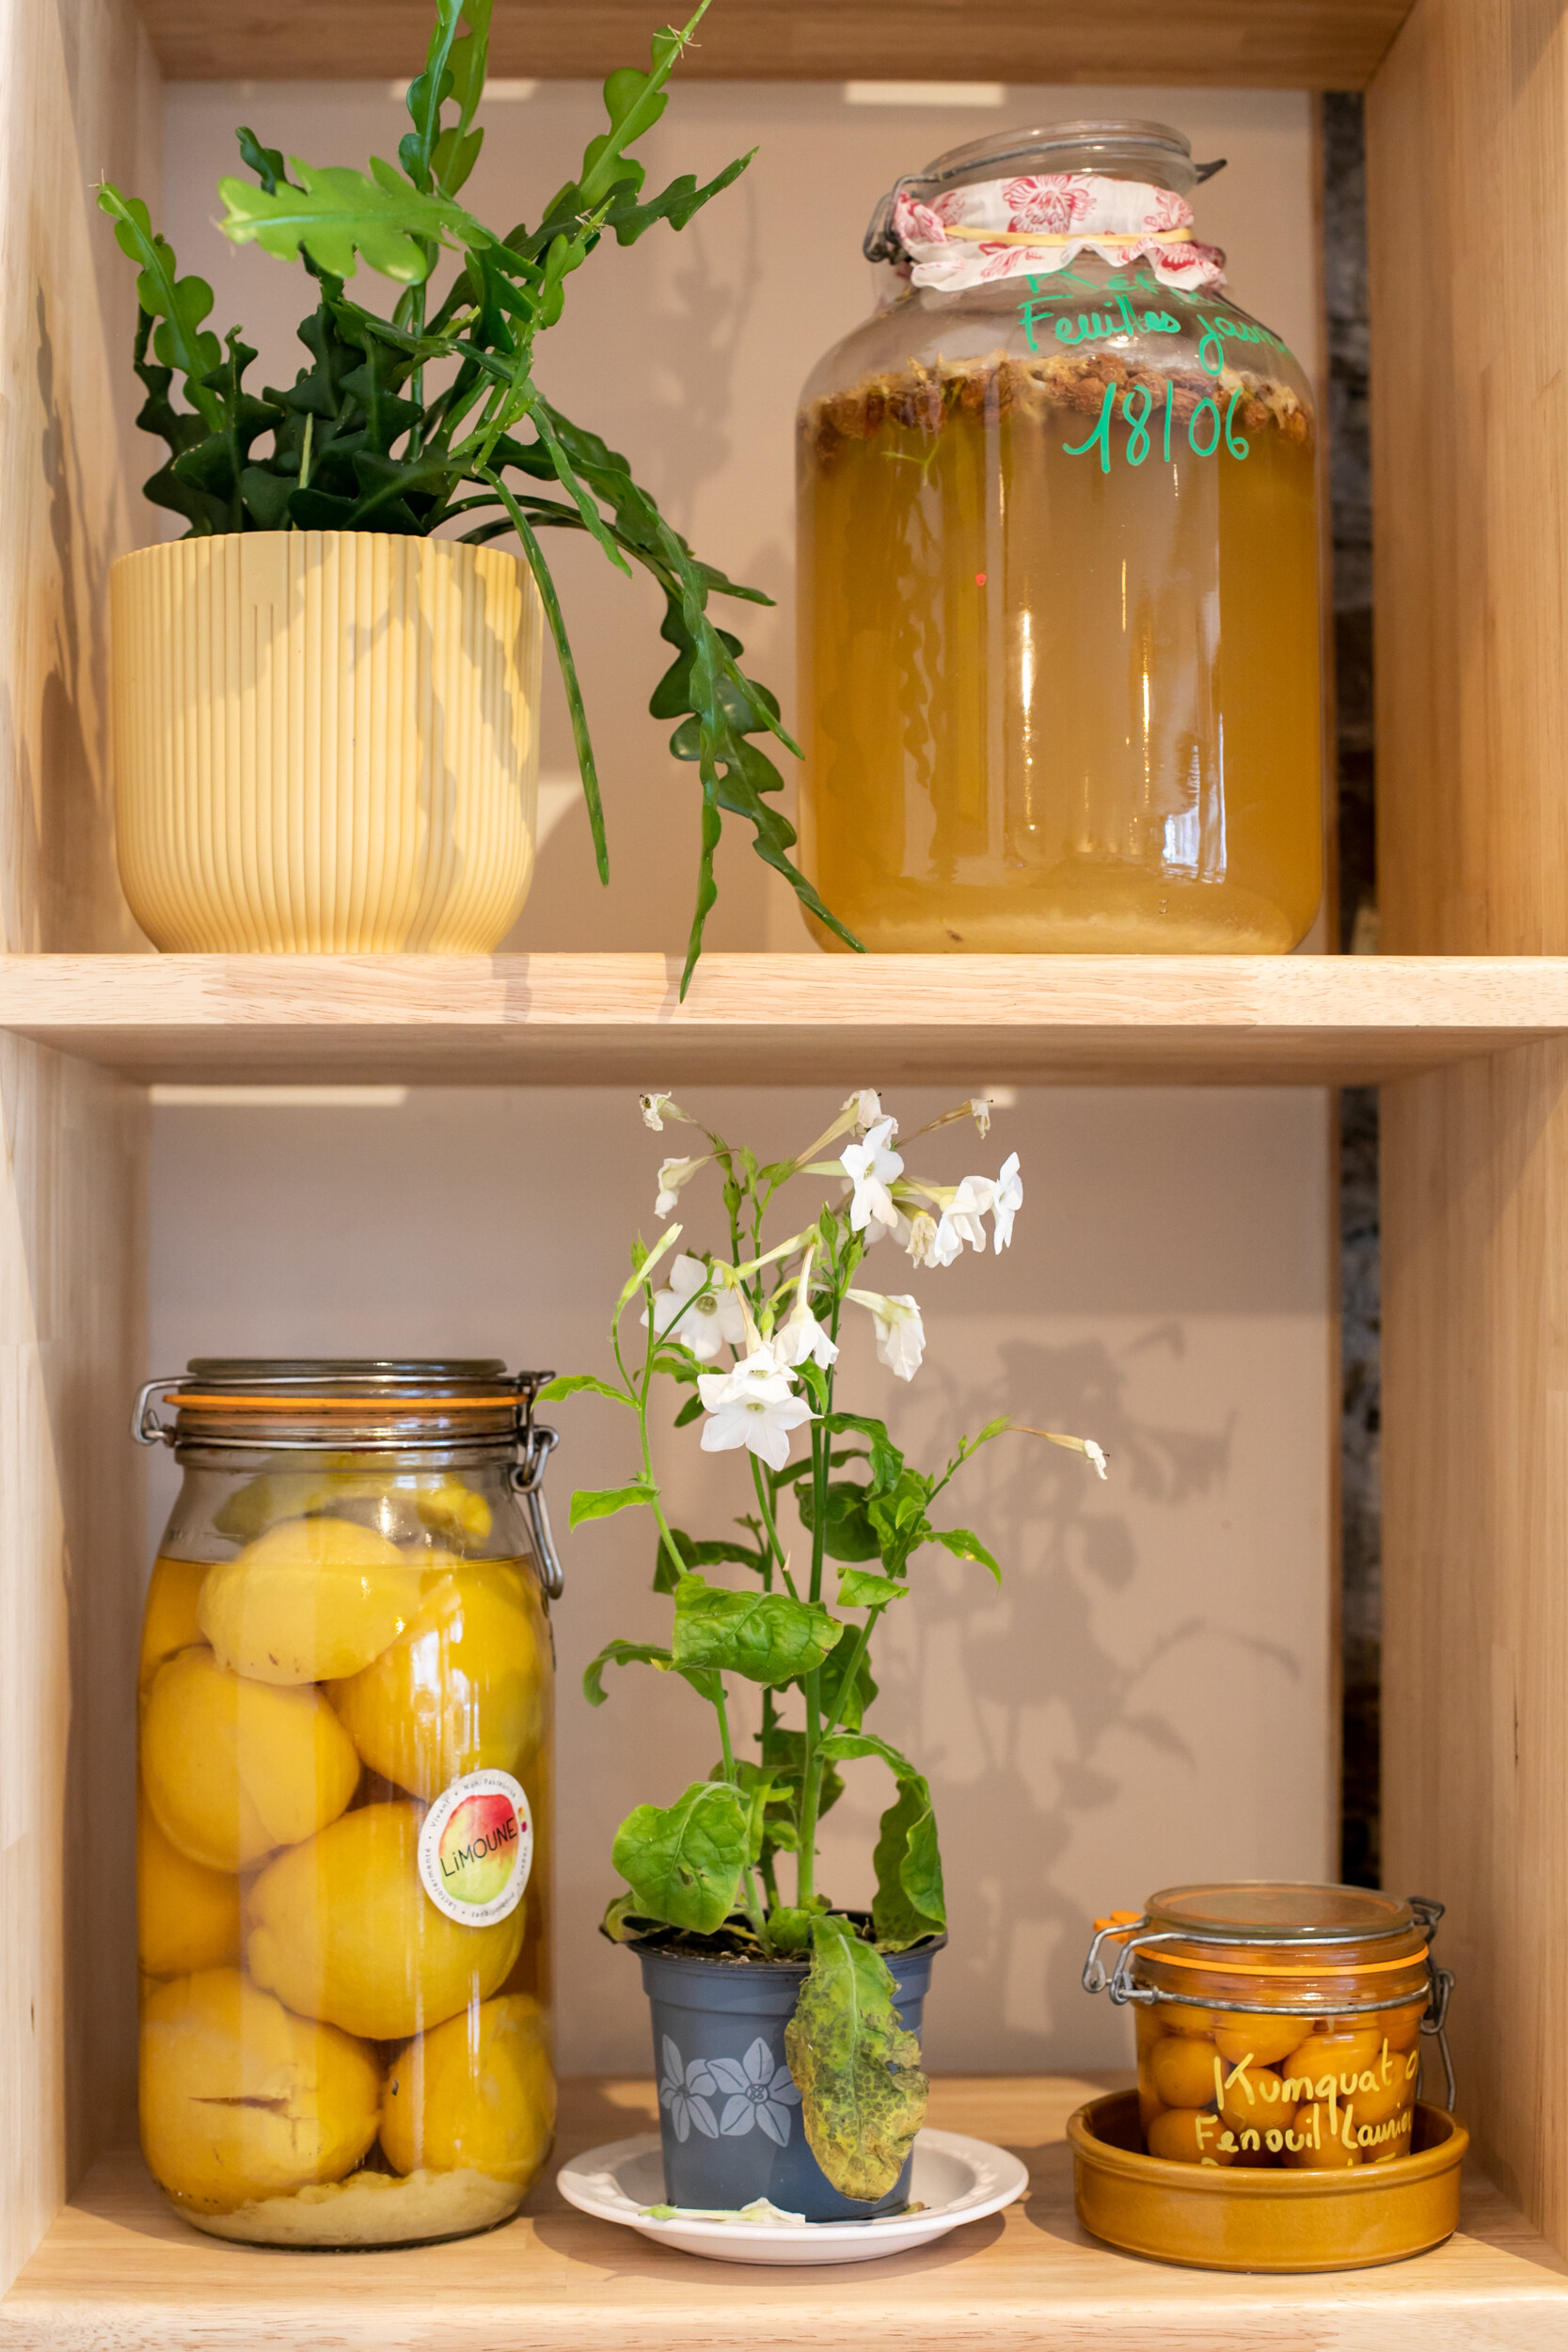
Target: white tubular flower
{"points": [[963, 1220], [803, 1337], [751, 1405], [900, 1333], [673, 1176], [866, 1105], [653, 1107], [1007, 1200], [979, 1110], [871, 1167], [709, 1314], [1096, 1455], [921, 1244]]}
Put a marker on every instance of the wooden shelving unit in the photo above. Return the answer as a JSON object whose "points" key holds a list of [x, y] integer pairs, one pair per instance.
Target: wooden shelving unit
{"points": [[1464, 1025], [598, 1019], [118, 2269], [1311, 44]]}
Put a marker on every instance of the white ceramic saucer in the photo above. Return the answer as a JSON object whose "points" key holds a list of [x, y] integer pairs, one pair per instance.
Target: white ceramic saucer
{"points": [[955, 2180]]}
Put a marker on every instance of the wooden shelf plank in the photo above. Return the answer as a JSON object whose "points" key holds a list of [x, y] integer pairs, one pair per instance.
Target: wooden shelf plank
{"points": [[116, 2268], [597, 1020], [1281, 44]]}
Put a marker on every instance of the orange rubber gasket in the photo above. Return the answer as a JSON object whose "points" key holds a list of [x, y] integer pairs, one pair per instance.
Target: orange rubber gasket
{"points": [[1265, 1968], [334, 1403]]}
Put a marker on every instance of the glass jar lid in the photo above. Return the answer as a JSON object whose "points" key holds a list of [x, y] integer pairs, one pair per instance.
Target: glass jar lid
{"points": [[1269, 1910], [311, 1404]]}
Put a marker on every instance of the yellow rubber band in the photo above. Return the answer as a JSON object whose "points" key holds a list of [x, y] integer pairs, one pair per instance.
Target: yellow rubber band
{"points": [[1076, 237]]}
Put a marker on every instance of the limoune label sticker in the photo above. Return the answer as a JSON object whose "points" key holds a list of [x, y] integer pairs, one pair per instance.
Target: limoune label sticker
{"points": [[476, 1849]]}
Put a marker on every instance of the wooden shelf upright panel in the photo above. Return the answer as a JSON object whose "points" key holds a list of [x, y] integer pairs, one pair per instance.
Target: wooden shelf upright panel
{"points": [[1469, 199]]}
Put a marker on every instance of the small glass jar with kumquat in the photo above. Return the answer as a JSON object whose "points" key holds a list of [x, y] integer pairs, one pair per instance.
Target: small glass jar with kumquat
{"points": [[1277, 2024]]}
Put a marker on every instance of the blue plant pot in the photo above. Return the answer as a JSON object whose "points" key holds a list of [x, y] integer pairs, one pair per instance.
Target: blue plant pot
{"points": [[729, 2113]]}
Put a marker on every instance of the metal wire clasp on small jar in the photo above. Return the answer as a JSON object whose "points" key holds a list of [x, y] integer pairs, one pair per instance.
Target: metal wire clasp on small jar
{"points": [[1277, 2024]]}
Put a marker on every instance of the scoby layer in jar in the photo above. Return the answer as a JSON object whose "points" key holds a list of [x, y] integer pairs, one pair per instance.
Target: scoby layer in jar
{"points": [[1060, 653], [1226, 2086], [327, 2058]]}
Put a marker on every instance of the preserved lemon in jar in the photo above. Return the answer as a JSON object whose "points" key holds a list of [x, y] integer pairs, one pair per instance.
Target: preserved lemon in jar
{"points": [[345, 1703], [1059, 635], [1277, 2024]]}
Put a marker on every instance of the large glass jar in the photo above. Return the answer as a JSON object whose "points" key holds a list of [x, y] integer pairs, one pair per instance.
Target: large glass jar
{"points": [[344, 1752], [1278, 2024], [1058, 574]]}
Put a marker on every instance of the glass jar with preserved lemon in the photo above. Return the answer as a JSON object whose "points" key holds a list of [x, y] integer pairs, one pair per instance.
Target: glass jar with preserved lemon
{"points": [[345, 1719], [1060, 675], [1277, 2024]]}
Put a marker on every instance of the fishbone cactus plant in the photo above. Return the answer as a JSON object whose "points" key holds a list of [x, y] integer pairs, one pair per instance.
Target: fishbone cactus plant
{"points": [[752, 1333], [433, 416]]}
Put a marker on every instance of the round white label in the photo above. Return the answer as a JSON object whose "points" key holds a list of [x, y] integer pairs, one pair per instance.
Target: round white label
{"points": [[476, 1848]]}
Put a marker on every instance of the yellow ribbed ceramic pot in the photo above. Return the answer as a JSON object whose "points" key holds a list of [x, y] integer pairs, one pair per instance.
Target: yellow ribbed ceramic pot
{"points": [[324, 741]]}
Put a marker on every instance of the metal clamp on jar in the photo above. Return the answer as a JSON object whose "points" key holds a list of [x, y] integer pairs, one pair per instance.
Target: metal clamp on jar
{"points": [[345, 1727], [1277, 2024]]}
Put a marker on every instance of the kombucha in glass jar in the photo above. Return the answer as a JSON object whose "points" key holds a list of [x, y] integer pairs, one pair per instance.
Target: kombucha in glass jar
{"points": [[343, 1802], [1278, 2025], [1060, 673]]}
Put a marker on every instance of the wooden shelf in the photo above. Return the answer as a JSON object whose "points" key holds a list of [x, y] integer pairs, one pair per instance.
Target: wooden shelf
{"points": [[791, 1018], [1281, 44], [116, 2268]]}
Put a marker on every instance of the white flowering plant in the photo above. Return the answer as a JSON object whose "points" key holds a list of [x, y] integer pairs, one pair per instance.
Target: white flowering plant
{"points": [[752, 1334]]}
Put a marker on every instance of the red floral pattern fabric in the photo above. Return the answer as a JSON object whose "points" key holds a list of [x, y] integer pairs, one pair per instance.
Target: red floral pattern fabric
{"points": [[1077, 211]]}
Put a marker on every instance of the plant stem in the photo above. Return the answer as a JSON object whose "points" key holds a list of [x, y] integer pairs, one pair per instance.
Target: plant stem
{"points": [[811, 1779], [770, 1525], [754, 1909]]}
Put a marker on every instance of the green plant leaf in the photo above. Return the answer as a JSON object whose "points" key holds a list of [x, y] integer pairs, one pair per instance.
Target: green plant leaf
{"points": [[601, 1503], [578, 1383], [783, 1755], [335, 214], [849, 1535], [676, 203], [964, 1545], [621, 1653], [862, 2092], [858, 1588], [623, 1923], [587, 767], [683, 1862], [846, 1705], [265, 162], [910, 1901], [768, 1637], [887, 1462], [789, 1929], [178, 305]]}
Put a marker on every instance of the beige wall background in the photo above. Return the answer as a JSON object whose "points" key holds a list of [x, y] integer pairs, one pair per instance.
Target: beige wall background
{"points": [[1148, 1696]]}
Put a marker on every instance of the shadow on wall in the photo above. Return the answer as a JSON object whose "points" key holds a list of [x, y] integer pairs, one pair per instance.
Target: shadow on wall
{"points": [[982, 1674]]}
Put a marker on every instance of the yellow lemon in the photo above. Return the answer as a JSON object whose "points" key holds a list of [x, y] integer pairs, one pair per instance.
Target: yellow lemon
{"points": [[170, 1620], [1181, 2072], [241, 2100], [450, 1507], [464, 1688], [188, 1916], [232, 1768], [343, 1928], [477, 2095], [1183, 2136], [309, 1600], [1330, 2155], [260, 1503], [1265, 2040]]}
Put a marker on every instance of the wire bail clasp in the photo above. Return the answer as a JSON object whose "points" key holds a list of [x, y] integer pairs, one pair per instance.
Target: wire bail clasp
{"points": [[146, 1427], [536, 1442]]}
